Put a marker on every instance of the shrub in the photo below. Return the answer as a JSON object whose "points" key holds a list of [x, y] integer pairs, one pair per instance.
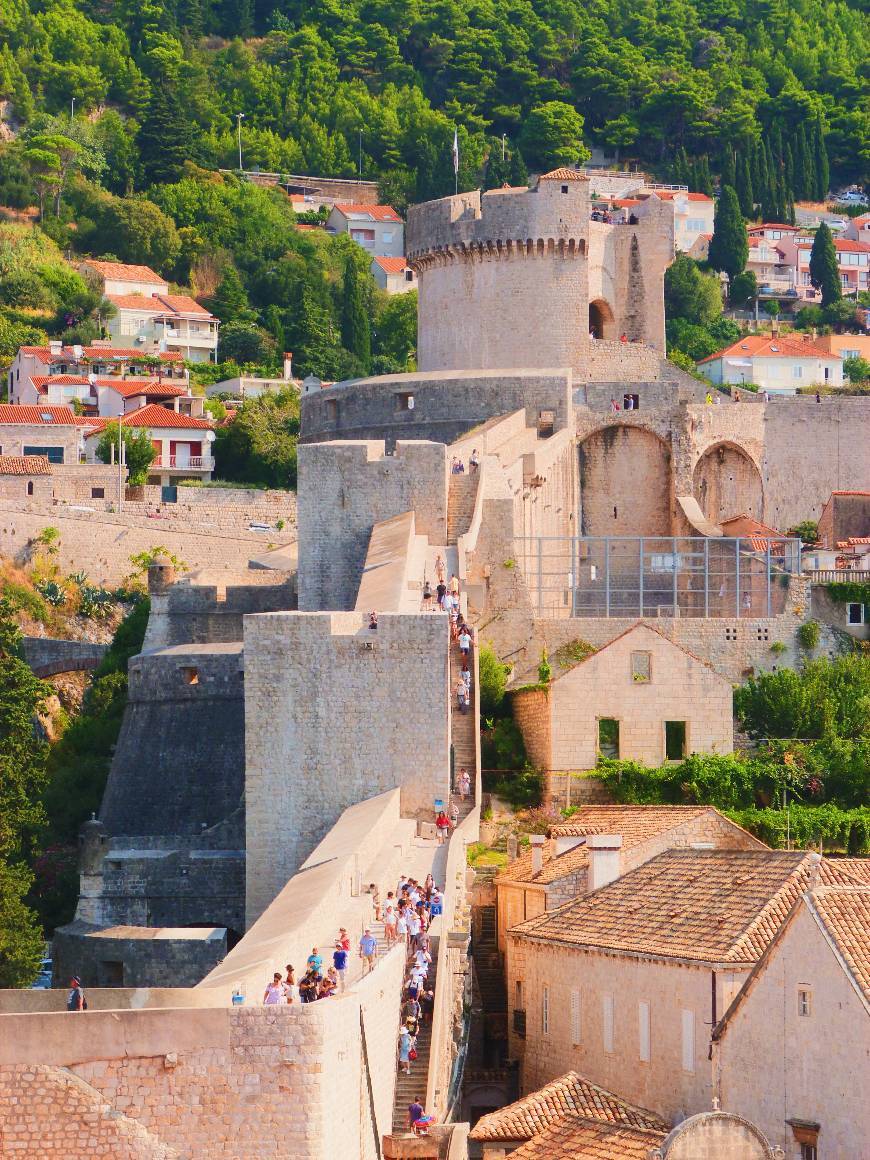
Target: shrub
{"points": [[808, 635], [521, 788], [545, 671], [502, 745], [492, 681]]}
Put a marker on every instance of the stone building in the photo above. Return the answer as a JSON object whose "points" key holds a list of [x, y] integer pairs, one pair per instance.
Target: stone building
{"points": [[801, 1022], [23, 476], [600, 843], [640, 698], [624, 984]]}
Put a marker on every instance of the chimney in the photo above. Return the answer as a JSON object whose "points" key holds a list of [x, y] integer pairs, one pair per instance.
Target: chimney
{"points": [[288, 365], [537, 842], [567, 842], [604, 859], [55, 346]]}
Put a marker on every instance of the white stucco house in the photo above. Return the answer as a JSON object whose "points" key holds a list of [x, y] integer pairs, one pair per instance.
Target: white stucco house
{"points": [[778, 365]]}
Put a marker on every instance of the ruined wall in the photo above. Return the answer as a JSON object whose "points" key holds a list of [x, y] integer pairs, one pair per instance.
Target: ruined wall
{"points": [[625, 483], [102, 543], [334, 714], [344, 490]]}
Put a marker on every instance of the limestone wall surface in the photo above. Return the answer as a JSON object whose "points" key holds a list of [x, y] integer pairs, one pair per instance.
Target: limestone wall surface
{"points": [[102, 543], [336, 713], [347, 488]]}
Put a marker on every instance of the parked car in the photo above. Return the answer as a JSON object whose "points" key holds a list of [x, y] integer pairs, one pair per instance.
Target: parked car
{"points": [[43, 979], [852, 197]]}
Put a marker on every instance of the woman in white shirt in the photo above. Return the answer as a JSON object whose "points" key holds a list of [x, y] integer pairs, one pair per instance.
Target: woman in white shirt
{"points": [[276, 992]]}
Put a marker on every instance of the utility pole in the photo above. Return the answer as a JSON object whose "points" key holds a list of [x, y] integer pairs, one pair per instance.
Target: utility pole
{"points": [[503, 144], [239, 119], [72, 110], [121, 457]]}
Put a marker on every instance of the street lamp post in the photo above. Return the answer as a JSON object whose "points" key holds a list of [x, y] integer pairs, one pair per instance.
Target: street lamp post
{"points": [[239, 118], [72, 110]]}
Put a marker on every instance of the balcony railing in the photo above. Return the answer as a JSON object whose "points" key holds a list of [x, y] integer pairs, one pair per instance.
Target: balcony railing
{"points": [[520, 1022], [837, 575], [180, 463]]}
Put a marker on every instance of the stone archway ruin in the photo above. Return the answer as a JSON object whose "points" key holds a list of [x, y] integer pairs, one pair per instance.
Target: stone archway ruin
{"points": [[726, 483], [625, 483], [602, 324]]}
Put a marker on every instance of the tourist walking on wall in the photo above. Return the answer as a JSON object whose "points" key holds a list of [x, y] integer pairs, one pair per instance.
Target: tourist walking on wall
{"points": [[75, 1000], [290, 985], [276, 992], [454, 584], [475, 460], [442, 825], [368, 946], [439, 568], [464, 784], [315, 961], [339, 961]]}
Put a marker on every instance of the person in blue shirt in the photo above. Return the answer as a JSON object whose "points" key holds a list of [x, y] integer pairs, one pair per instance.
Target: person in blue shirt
{"points": [[315, 961], [339, 961], [368, 946]]}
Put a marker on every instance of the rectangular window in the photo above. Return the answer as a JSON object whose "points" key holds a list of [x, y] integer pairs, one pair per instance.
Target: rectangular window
{"points": [[643, 1031], [575, 1017], [190, 676], [675, 740], [805, 1002], [608, 737], [854, 613], [98, 493], [52, 454], [545, 1010], [388, 236], [405, 401], [688, 1019], [331, 410], [607, 1012], [797, 372], [641, 667]]}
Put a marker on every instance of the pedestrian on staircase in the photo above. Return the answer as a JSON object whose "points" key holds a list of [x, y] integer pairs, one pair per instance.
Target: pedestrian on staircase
{"points": [[441, 592], [454, 584], [339, 961], [475, 460], [390, 919], [405, 1043], [465, 642], [461, 695], [368, 946], [442, 825], [439, 568], [464, 784]]}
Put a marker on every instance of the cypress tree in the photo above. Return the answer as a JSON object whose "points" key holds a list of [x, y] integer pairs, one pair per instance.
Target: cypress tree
{"points": [[729, 247], [728, 173], [164, 139], [519, 175], [790, 218], [824, 274], [744, 187], [805, 167], [755, 172], [788, 168], [355, 330], [705, 178], [820, 156], [762, 185]]}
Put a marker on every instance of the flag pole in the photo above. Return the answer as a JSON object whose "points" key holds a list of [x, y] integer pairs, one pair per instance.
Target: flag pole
{"points": [[455, 161]]}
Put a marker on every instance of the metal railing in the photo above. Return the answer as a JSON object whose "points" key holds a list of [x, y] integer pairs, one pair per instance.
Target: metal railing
{"points": [[659, 576], [837, 575]]}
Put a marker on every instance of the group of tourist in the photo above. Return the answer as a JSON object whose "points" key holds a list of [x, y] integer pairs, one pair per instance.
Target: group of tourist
{"points": [[457, 465], [316, 983]]}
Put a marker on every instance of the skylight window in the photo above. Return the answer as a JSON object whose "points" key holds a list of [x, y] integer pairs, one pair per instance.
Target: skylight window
{"points": [[46, 416]]}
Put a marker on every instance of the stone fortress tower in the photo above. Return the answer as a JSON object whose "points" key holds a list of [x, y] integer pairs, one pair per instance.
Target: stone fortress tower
{"points": [[520, 277]]}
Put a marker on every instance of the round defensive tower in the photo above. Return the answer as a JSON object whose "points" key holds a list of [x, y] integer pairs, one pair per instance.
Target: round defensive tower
{"points": [[520, 277]]}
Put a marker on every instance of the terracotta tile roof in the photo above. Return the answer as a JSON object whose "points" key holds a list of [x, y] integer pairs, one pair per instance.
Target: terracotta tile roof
{"points": [[127, 352], [377, 213], [761, 536], [569, 1095], [127, 388], [635, 824], [183, 304], [122, 272], [845, 913], [159, 304], [772, 226], [42, 382], [673, 194], [153, 415], [24, 465], [36, 416], [392, 265], [705, 905], [846, 871], [563, 174], [575, 1138], [755, 346]]}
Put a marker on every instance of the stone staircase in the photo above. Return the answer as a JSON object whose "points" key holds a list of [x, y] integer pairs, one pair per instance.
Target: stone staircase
{"points": [[408, 1087], [464, 733], [461, 497]]}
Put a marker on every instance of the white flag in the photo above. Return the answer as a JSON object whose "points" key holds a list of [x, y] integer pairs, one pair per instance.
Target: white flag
{"points": [[456, 152]]}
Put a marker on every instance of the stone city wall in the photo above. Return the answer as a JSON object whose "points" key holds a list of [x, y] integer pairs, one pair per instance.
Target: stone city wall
{"points": [[335, 713], [101, 544], [446, 404], [146, 957], [347, 488], [196, 610]]}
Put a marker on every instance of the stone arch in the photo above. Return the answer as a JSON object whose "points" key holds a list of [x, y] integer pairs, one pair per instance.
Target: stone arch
{"points": [[625, 483], [602, 324], [726, 482]]}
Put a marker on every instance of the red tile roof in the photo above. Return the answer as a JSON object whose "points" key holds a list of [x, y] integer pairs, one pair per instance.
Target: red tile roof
{"points": [[128, 388], [392, 265], [704, 905], [744, 525], [42, 382], [563, 174], [773, 226], [66, 354], [377, 213], [24, 465], [576, 1138], [673, 194], [763, 346], [122, 272], [569, 1095], [153, 415], [159, 304], [59, 416]]}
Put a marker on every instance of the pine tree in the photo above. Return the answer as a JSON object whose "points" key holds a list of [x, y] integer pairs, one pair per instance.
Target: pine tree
{"points": [[729, 247], [728, 174], [744, 187], [164, 139], [230, 300], [824, 274], [355, 330], [820, 156]]}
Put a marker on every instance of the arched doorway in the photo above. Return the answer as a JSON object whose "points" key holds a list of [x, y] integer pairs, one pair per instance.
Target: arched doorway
{"points": [[625, 483], [727, 483], [601, 321]]}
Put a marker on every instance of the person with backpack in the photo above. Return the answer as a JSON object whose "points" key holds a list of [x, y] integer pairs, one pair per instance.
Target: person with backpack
{"points": [[76, 1000]]}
